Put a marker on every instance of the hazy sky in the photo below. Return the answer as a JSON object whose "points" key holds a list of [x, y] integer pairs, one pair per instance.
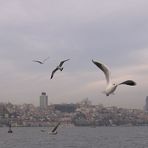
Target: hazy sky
{"points": [[112, 31]]}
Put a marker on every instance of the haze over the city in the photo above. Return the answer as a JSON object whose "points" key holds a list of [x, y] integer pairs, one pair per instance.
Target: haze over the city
{"points": [[114, 32]]}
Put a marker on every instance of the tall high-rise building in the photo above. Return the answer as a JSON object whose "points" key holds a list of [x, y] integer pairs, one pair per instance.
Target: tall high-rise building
{"points": [[146, 104], [43, 100]]}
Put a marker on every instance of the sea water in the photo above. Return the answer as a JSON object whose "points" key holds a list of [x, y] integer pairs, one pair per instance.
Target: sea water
{"points": [[75, 137]]}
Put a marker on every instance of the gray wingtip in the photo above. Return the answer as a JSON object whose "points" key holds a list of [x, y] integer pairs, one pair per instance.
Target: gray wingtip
{"points": [[132, 83], [93, 61], [129, 82]]}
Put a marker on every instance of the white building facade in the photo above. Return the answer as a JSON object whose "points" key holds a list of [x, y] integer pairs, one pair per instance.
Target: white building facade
{"points": [[43, 100]]}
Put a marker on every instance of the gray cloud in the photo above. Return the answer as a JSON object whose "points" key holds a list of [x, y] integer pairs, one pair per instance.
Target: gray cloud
{"points": [[114, 32]]}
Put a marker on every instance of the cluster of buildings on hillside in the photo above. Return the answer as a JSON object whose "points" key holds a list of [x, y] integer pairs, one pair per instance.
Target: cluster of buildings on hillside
{"points": [[79, 114]]}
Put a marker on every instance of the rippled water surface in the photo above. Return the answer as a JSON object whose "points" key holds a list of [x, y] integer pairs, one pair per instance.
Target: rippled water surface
{"points": [[76, 137]]}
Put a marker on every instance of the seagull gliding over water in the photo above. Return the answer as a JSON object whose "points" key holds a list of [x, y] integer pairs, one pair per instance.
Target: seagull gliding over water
{"points": [[111, 87]]}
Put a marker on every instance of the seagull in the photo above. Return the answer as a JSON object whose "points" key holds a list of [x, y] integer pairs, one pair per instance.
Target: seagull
{"points": [[54, 130], [59, 67], [41, 62], [111, 87], [43, 130]]}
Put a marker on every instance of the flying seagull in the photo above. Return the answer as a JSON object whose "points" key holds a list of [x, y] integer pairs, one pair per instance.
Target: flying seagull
{"points": [[54, 130], [59, 67], [111, 87], [41, 62]]}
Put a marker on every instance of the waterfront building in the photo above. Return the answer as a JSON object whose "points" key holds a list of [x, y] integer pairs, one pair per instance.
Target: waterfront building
{"points": [[43, 100]]}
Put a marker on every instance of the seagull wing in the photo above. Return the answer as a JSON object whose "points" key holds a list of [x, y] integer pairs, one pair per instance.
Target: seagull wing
{"points": [[45, 59], [53, 72], [38, 61], [105, 69], [62, 62], [128, 82], [55, 128]]}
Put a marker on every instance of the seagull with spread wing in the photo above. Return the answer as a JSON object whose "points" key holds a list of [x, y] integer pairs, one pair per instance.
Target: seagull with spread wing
{"points": [[59, 67], [111, 87], [41, 62]]}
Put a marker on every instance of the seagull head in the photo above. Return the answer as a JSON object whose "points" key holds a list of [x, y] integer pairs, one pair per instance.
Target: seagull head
{"points": [[60, 68], [55, 132], [110, 88]]}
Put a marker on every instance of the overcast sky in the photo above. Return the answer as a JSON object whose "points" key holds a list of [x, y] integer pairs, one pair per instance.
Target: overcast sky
{"points": [[112, 31]]}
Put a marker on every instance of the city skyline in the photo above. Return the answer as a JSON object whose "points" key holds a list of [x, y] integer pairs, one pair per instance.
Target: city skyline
{"points": [[112, 32]]}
